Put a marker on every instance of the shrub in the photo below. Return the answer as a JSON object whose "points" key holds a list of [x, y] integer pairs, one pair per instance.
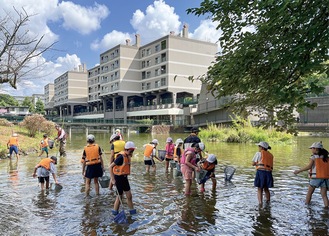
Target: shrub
{"points": [[4, 122], [33, 123]]}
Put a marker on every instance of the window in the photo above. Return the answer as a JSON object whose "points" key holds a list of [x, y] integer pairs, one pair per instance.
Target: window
{"points": [[148, 74], [157, 84], [116, 64], [163, 44], [148, 52], [148, 86], [157, 47], [157, 60], [148, 63], [143, 53], [143, 86], [163, 57], [163, 81], [143, 64], [163, 70], [157, 72], [143, 75]]}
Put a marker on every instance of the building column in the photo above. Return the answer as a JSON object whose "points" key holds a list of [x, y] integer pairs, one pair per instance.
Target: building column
{"points": [[72, 109], [125, 105], [114, 105], [60, 112], [144, 101], [174, 98], [158, 99]]}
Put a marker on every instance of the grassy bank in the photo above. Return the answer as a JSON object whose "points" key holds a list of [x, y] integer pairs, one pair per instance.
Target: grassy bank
{"points": [[27, 144], [243, 132]]}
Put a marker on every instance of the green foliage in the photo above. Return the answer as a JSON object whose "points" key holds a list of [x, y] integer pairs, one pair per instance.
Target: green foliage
{"points": [[39, 107], [37, 123], [27, 102], [242, 131], [7, 100], [269, 49]]}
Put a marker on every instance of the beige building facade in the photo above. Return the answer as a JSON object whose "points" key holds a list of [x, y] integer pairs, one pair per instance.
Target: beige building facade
{"points": [[71, 92], [135, 82]]}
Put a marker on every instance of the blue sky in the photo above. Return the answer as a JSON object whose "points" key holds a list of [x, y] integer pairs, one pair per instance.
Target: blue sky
{"points": [[83, 29]]}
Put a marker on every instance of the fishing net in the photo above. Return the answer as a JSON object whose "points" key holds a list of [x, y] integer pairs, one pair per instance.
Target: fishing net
{"points": [[229, 172], [121, 218]]}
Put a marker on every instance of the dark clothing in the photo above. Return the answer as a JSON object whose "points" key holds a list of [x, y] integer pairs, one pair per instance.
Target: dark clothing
{"points": [[122, 183], [192, 139], [43, 179], [119, 160], [263, 179], [94, 171], [149, 162]]}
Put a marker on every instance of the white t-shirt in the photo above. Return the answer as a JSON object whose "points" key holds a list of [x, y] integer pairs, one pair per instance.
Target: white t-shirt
{"points": [[257, 157], [43, 172]]}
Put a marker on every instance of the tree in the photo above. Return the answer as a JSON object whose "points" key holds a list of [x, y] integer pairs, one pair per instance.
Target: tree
{"points": [[27, 102], [269, 49], [17, 48], [39, 107], [7, 100]]}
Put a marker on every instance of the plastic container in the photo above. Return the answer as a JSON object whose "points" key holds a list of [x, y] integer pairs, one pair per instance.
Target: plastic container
{"points": [[51, 144], [161, 154], [177, 171], [104, 181], [199, 175], [172, 164], [56, 187]]}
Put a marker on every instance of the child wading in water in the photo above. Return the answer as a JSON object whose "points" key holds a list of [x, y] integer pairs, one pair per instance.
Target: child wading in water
{"points": [[170, 147], [319, 172], [45, 167], [209, 165], [263, 160], [44, 145], [92, 164]]}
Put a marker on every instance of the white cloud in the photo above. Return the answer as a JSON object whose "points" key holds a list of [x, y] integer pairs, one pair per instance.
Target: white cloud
{"points": [[82, 19], [46, 73], [207, 32], [158, 20], [110, 40]]}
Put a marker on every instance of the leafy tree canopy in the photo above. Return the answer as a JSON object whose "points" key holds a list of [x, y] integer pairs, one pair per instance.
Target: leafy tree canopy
{"points": [[39, 107], [269, 49], [27, 102], [7, 100]]}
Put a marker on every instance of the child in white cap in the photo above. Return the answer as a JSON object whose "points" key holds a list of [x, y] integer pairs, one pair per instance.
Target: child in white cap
{"points": [[319, 172], [209, 165], [170, 148], [263, 160]]}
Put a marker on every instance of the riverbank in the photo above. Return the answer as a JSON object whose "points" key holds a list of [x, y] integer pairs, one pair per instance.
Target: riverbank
{"points": [[27, 145]]}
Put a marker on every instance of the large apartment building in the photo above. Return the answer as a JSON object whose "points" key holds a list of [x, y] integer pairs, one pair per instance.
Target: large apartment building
{"points": [[135, 82], [71, 92], [49, 92]]}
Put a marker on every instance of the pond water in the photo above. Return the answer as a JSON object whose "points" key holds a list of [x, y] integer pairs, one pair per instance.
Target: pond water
{"points": [[159, 197]]}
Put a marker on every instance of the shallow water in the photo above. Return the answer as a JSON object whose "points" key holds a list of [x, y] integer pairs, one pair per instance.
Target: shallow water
{"points": [[158, 197]]}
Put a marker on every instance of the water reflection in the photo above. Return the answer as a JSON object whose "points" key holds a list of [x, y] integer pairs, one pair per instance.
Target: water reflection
{"points": [[263, 224], [159, 197]]}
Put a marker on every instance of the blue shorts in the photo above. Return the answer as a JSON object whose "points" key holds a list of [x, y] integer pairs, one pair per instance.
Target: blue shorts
{"points": [[263, 179], [45, 149], [122, 183], [13, 149], [316, 183]]}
